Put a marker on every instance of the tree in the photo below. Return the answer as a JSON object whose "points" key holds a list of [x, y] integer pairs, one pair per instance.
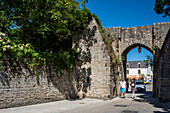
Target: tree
{"points": [[162, 7], [44, 21], [48, 25], [149, 61]]}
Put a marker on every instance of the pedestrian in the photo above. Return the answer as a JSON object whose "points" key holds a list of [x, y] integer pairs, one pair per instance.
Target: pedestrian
{"points": [[133, 88], [123, 87]]}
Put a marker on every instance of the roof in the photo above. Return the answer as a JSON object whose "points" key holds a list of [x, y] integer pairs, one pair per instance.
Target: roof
{"points": [[134, 64]]}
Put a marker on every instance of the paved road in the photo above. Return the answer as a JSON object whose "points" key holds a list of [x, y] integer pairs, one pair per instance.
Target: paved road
{"points": [[143, 103]]}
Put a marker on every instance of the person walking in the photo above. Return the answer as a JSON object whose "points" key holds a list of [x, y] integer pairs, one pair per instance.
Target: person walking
{"points": [[123, 87], [133, 88]]}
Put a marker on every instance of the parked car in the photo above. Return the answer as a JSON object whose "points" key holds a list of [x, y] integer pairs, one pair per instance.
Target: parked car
{"points": [[140, 86]]}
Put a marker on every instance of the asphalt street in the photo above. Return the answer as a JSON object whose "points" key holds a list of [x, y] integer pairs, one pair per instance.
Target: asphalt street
{"points": [[143, 103]]}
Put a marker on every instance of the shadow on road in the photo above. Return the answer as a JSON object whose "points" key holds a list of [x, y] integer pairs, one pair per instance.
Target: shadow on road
{"points": [[147, 97]]}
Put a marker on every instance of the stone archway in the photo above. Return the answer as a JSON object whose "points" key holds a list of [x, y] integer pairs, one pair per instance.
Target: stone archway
{"points": [[151, 37], [128, 49]]}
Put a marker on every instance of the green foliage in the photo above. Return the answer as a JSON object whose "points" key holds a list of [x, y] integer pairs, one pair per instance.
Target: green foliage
{"points": [[108, 37], [18, 51], [115, 60], [162, 7], [83, 2], [156, 48], [122, 59], [55, 21], [101, 28], [47, 26], [64, 60], [149, 61]]}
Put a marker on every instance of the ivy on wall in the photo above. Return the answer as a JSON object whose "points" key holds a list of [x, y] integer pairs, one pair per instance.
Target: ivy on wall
{"points": [[41, 30]]}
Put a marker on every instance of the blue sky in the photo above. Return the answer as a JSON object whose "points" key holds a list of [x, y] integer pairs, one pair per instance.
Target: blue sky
{"points": [[134, 55], [127, 13]]}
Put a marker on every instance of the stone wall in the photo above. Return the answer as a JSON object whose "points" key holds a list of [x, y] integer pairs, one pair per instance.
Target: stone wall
{"points": [[89, 78], [150, 37], [126, 39], [96, 61], [160, 35], [22, 88], [162, 76], [136, 36], [117, 34], [160, 32]]}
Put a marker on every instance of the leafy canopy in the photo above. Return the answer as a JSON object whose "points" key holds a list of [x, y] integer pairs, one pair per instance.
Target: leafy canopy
{"points": [[48, 25], [43, 23], [162, 7]]}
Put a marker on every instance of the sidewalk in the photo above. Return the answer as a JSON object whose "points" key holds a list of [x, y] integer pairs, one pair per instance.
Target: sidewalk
{"points": [[143, 103], [53, 107]]}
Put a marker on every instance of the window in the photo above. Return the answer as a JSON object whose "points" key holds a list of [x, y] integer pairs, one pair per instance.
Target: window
{"points": [[127, 71], [139, 72]]}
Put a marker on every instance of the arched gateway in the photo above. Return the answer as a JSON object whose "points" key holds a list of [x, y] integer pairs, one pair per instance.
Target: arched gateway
{"points": [[150, 37]]}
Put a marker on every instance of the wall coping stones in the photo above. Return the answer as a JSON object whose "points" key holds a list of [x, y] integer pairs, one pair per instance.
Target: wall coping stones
{"points": [[161, 23], [113, 28]]}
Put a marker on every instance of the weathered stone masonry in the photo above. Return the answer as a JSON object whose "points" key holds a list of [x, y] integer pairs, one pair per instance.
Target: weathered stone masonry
{"points": [[162, 73], [126, 39], [95, 61], [89, 78], [92, 75], [21, 89], [151, 38]]}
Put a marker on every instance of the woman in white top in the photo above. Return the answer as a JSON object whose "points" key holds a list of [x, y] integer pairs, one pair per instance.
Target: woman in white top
{"points": [[123, 87]]}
